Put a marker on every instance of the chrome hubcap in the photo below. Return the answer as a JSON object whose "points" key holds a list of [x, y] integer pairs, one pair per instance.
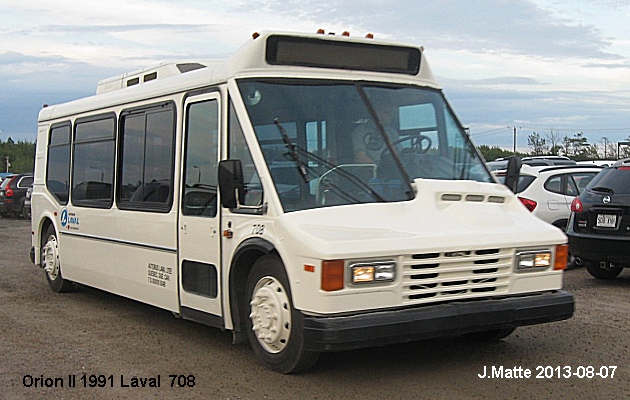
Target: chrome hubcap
{"points": [[270, 314], [50, 258]]}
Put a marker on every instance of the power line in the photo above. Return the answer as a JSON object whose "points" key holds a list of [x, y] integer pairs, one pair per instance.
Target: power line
{"points": [[576, 130], [486, 133], [542, 130]]}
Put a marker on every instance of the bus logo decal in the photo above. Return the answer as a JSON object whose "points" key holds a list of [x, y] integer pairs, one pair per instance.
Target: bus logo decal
{"points": [[64, 217], [69, 220]]}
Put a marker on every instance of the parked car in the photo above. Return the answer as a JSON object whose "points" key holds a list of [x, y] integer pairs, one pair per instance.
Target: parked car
{"points": [[599, 227], [498, 164], [539, 161], [599, 163], [13, 193], [548, 191], [534, 161], [26, 210]]}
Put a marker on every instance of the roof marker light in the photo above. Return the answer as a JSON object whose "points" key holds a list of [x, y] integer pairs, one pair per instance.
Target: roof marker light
{"points": [[255, 35], [369, 36], [321, 31], [345, 33]]}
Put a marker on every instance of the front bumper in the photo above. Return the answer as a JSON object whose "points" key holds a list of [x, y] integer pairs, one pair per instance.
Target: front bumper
{"points": [[432, 321]]}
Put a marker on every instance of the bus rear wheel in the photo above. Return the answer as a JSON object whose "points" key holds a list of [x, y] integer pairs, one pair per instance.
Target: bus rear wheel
{"points": [[50, 263], [274, 327]]}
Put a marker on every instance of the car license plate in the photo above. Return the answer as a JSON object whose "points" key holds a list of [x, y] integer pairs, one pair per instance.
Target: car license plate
{"points": [[606, 220]]}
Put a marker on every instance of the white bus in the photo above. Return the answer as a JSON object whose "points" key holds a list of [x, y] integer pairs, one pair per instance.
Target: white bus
{"points": [[312, 193]]}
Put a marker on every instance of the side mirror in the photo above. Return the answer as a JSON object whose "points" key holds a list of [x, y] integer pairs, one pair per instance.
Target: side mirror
{"points": [[231, 184], [512, 173]]}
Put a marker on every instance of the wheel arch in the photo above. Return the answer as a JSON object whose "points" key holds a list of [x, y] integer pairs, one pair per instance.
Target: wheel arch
{"points": [[246, 254], [44, 223]]}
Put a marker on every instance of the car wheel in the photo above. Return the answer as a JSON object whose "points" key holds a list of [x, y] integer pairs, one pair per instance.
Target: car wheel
{"points": [[490, 336], [24, 213], [274, 327], [603, 271], [50, 263]]}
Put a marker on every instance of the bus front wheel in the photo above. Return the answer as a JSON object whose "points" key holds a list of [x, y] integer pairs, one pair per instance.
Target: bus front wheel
{"points": [[50, 263], [274, 327]]}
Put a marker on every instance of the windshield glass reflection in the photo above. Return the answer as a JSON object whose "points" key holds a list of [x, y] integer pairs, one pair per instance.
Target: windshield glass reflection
{"points": [[335, 143]]}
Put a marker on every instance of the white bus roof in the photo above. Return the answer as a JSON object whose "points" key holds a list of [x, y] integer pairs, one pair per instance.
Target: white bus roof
{"points": [[254, 59]]}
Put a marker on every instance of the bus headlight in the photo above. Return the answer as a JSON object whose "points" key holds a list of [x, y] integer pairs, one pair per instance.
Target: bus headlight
{"points": [[528, 260], [368, 272]]}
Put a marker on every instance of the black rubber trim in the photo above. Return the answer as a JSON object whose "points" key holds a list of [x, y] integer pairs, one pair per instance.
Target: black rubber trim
{"points": [[432, 321]]}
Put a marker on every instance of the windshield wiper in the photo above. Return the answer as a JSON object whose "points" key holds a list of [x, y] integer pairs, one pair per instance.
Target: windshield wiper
{"points": [[296, 151], [602, 189], [293, 153], [388, 142]]}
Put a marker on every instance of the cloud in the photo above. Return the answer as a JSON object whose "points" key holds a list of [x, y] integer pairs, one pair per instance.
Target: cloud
{"points": [[517, 27], [28, 82], [500, 80], [623, 65], [27, 73], [492, 113], [539, 63]]}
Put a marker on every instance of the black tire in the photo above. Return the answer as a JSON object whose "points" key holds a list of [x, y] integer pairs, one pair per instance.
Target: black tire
{"points": [[278, 342], [490, 336], [50, 263], [610, 272], [25, 212]]}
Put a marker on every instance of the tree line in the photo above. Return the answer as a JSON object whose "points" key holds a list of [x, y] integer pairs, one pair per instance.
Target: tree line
{"points": [[576, 148], [17, 157]]}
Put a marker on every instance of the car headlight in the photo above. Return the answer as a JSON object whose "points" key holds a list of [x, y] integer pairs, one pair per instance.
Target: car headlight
{"points": [[533, 260], [369, 272]]}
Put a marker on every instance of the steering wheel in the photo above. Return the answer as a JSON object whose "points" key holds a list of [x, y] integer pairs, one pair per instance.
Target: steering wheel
{"points": [[420, 144]]}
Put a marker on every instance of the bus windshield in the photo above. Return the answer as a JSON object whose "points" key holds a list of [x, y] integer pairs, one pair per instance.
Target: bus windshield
{"points": [[331, 143]]}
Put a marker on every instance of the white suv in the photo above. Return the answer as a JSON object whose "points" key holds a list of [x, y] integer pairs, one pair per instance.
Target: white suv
{"points": [[549, 190]]}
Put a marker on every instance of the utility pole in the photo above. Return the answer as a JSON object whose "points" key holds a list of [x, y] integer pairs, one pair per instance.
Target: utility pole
{"points": [[515, 140], [8, 163]]}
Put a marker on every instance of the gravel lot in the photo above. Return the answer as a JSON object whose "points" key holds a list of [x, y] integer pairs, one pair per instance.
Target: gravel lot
{"points": [[105, 340]]}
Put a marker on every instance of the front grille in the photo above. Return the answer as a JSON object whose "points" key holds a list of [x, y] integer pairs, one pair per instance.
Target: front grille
{"points": [[431, 277]]}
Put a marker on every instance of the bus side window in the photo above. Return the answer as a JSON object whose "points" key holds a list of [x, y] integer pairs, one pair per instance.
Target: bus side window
{"points": [[147, 159], [58, 167], [93, 161], [202, 155], [238, 150]]}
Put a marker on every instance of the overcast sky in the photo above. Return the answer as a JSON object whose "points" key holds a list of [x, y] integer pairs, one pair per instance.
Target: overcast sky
{"points": [[546, 66]]}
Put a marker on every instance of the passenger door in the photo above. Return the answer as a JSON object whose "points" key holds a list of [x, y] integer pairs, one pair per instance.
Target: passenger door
{"points": [[199, 238]]}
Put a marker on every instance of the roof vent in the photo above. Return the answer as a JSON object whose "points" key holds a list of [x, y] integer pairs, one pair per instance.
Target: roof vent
{"points": [[161, 71]]}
